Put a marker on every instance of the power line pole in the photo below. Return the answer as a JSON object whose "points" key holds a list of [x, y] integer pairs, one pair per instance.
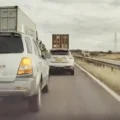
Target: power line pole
{"points": [[115, 42]]}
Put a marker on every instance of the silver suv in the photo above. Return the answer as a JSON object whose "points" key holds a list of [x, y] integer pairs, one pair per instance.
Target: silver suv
{"points": [[23, 70], [61, 59]]}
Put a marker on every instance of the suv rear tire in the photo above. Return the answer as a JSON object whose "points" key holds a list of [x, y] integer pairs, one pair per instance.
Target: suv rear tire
{"points": [[35, 102], [72, 72], [47, 86]]}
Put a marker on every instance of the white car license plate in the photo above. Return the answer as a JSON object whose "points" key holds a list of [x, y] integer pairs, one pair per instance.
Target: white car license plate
{"points": [[59, 60]]}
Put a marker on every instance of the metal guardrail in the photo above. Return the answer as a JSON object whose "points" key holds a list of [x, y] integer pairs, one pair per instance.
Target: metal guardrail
{"points": [[99, 62]]}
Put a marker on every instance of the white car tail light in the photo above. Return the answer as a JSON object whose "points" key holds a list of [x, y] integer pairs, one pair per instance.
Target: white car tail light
{"points": [[25, 66]]}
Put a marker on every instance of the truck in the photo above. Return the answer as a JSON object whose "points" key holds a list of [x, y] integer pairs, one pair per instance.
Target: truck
{"points": [[13, 19], [60, 41], [85, 53]]}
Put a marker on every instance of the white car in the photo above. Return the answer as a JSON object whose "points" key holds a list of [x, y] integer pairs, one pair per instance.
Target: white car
{"points": [[85, 54], [24, 71], [61, 59]]}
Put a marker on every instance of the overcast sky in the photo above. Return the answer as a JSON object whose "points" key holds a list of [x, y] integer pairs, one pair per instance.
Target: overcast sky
{"points": [[90, 23]]}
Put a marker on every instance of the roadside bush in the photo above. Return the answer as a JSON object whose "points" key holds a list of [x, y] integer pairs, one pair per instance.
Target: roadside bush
{"points": [[94, 53], [109, 52]]}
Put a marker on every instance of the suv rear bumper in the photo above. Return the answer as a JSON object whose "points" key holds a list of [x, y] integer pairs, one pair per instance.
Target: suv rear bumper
{"points": [[54, 67], [61, 67], [61, 64], [20, 87]]}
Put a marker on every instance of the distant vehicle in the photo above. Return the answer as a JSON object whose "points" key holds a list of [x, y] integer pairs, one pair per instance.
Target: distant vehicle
{"points": [[13, 19], [61, 59], [60, 41], [85, 54], [24, 71]]}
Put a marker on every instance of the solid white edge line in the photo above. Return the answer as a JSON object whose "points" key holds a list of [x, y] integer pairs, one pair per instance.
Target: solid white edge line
{"points": [[110, 91]]}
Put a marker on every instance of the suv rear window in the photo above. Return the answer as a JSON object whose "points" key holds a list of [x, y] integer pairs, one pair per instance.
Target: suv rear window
{"points": [[10, 44], [60, 52]]}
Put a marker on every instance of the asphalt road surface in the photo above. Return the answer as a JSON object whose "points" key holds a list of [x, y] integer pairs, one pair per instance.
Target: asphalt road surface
{"points": [[71, 98]]}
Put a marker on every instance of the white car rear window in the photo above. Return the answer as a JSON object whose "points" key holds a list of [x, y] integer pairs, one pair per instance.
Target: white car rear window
{"points": [[10, 44], [60, 52]]}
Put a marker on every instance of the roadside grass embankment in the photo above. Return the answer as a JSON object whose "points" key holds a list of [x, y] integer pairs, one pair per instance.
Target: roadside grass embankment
{"points": [[109, 56], [106, 75]]}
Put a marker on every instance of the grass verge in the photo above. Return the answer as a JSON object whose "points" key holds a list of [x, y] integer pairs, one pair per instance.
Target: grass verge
{"points": [[108, 77], [110, 56]]}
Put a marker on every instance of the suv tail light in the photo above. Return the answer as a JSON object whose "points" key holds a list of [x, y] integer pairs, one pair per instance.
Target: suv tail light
{"points": [[25, 66]]}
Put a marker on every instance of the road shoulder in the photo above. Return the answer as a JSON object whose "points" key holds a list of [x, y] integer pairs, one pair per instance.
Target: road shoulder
{"points": [[110, 91]]}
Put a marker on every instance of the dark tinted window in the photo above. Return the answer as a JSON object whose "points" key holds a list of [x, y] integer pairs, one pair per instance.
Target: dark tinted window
{"points": [[28, 44], [59, 52], [10, 44]]}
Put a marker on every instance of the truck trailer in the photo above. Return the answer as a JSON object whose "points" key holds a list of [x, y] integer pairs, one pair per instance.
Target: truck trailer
{"points": [[60, 41], [13, 19]]}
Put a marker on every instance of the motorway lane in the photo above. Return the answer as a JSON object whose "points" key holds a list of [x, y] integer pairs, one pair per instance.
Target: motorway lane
{"points": [[70, 98]]}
